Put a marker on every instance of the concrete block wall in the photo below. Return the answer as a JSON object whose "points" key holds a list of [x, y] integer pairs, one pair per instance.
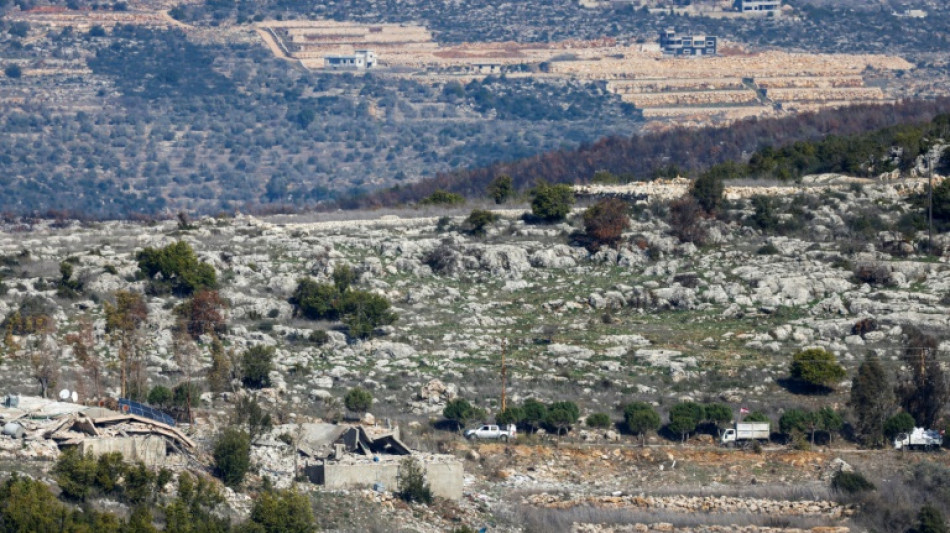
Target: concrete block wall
{"points": [[444, 476]]}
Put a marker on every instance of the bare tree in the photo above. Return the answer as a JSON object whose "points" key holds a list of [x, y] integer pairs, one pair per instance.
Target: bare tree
{"points": [[83, 344], [123, 321], [42, 359]]}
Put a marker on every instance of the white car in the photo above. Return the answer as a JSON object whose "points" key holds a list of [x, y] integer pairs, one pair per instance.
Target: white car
{"points": [[491, 431]]}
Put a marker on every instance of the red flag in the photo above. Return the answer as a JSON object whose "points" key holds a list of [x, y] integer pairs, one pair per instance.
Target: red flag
{"points": [[743, 411]]}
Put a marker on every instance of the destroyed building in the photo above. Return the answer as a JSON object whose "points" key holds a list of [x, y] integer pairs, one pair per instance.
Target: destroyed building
{"points": [[342, 457], [137, 432]]}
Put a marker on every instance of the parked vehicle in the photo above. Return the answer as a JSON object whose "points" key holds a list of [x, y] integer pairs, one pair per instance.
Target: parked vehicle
{"points": [[490, 431], [919, 438], [746, 432]]}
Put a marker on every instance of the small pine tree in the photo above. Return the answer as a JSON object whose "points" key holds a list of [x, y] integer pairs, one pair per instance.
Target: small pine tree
{"points": [[411, 482], [816, 368]]}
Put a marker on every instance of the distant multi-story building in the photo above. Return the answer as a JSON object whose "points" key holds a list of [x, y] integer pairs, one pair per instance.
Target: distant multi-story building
{"points": [[360, 59], [687, 45], [758, 6]]}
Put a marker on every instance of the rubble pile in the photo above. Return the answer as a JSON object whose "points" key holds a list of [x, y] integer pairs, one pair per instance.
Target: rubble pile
{"points": [[40, 428]]}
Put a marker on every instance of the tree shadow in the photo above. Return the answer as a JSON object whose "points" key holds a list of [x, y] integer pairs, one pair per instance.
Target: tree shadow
{"points": [[797, 386]]}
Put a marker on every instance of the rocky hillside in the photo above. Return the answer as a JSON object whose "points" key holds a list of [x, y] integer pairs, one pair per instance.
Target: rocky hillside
{"points": [[657, 319]]}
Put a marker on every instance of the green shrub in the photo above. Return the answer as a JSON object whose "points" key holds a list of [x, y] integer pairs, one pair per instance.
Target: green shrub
{"points": [[534, 413], [160, 396], [256, 366], [897, 424], [501, 189], [181, 271], [75, 474], [358, 400], [598, 420], [708, 187], [851, 482], [767, 249], [411, 482], [282, 511], [551, 203], [186, 394], [561, 415], [511, 415], [232, 456], [319, 337], [684, 417], [461, 412], [249, 414], [441, 197], [363, 312], [931, 520], [817, 368], [641, 417], [315, 301], [478, 220]]}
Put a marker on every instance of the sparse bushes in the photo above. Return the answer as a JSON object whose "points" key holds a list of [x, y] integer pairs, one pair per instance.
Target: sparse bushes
{"points": [[82, 476], [251, 417], [930, 520], [232, 456], [816, 368], [361, 311], [551, 203], [604, 223]]}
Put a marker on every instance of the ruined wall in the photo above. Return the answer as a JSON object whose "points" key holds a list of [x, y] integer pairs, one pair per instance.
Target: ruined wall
{"points": [[149, 449], [444, 476]]}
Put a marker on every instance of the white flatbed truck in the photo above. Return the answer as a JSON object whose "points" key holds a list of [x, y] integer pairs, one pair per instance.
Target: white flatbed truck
{"points": [[745, 433]]}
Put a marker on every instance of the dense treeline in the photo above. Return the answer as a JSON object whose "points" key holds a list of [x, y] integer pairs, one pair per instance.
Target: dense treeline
{"points": [[692, 151], [170, 125]]}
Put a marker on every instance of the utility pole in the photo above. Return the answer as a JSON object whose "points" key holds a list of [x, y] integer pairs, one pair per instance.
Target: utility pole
{"points": [[504, 375], [930, 205]]}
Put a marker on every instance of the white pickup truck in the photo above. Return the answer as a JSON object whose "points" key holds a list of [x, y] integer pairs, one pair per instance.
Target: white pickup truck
{"points": [[490, 431], [919, 438]]}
